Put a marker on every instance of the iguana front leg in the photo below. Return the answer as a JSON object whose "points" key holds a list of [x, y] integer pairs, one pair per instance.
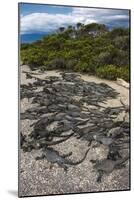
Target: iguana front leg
{"points": [[40, 157], [90, 142], [67, 155], [63, 166], [100, 174], [120, 166]]}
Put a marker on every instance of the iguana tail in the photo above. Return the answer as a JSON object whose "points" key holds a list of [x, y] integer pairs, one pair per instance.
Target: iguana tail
{"points": [[69, 162], [43, 142], [121, 161]]}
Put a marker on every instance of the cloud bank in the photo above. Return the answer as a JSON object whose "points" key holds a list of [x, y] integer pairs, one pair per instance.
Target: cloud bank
{"points": [[48, 22]]}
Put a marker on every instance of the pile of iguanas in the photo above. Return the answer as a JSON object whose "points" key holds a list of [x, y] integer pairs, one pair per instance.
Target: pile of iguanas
{"points": [[67, 106]]}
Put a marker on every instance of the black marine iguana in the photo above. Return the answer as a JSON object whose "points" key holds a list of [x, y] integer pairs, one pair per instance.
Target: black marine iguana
{"points": [[53, 156], [40, 143], [44, 142], [106, 166]]}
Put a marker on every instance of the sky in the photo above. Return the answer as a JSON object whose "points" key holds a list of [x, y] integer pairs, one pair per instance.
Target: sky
{"points": [[35, 18]]}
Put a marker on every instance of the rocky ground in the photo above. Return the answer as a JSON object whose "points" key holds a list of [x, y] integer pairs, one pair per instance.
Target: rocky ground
{"points": [[40, 177]]}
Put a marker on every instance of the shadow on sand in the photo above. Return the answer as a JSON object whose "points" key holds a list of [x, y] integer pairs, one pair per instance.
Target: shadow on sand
{"points": [[13, 192]]}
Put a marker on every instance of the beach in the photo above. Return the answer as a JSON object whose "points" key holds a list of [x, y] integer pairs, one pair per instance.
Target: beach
{"points": [[40, 177]]}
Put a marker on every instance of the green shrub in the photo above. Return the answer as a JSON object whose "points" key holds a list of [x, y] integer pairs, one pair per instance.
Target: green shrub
{"points": [[57, 63], [70, 64], [112, 72], [81, 66], [105, 54], [103, 58], [33, 57], [124, 73]]}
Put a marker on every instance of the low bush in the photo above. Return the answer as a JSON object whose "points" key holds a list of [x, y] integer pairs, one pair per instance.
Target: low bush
{"points": [[111, 72], [124, 73], [81, 66], [104, 54], [57, 63], [33, 57], [70, 64]]}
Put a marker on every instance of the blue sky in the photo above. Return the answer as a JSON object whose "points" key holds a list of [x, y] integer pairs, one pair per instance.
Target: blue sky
{"points": [[37, 8], [35, 18]]}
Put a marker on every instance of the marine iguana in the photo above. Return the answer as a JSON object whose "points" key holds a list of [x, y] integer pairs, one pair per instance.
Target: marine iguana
{"points": [[103, 140], [42, 128], [106, 166], [29, 116], [41, 143], [53, 156], [87, 133]]}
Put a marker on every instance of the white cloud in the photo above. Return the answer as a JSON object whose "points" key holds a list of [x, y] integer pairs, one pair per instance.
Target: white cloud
{"points": [[101, 15], [45, 22], [117, 17]]}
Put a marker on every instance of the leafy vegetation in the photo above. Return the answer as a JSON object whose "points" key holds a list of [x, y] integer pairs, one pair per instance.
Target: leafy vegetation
{"points": [[88, 48], [112, 72]]}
